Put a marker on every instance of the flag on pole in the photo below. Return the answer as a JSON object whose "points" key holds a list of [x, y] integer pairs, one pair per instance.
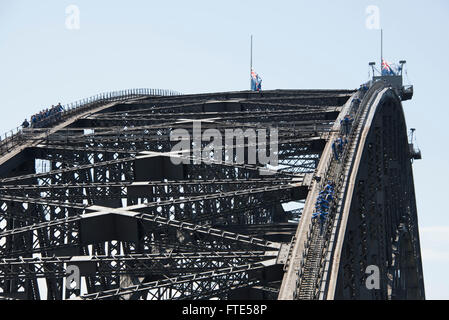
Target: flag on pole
{"points": [[256, 81], [390, 69], [386, 69]]}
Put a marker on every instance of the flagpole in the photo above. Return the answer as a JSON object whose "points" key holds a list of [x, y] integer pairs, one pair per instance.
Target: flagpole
{"points": [[251, 63], [381, 49]]}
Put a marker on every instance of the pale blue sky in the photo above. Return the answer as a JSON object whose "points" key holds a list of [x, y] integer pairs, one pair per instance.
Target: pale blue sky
{"points": [[203, 46]]}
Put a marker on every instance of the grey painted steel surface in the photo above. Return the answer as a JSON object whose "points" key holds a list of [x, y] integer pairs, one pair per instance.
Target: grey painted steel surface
{"points": [[99, 191]]}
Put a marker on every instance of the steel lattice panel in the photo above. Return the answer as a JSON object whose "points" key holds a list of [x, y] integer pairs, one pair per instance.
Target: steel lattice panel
{"points": [[102, 194]]}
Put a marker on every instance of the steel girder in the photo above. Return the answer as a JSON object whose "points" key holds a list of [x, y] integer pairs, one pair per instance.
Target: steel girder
{"points": [[101, 194]]}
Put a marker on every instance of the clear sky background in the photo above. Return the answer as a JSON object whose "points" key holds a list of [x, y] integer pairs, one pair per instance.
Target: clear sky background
{"points": [[203, 46]]}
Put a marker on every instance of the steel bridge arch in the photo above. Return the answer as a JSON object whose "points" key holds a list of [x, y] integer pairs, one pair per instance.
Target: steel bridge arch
{"points": [[380, 218], [215, 230], [332, 264]]}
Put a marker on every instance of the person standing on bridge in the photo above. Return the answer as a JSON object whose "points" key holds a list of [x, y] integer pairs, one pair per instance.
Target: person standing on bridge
{"points": [[324, 204], [341, 144], [347, 124], [25, 124], [329, 188], [323, 217], [338, 147], [335, 150], [330, 196], [364, 87], [356, 102], [33, 121], [59, 110]]}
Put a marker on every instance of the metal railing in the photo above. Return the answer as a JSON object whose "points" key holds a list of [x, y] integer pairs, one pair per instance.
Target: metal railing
{"points": [[14, 137]]}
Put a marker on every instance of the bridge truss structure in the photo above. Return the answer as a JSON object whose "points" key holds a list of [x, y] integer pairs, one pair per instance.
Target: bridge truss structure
{"points": [[99, 191]]}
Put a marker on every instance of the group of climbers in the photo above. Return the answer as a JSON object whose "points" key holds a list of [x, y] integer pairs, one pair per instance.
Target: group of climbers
{"points": [[364, 87], [327, 195], [340, 143], [40, 119], [323, 202]]}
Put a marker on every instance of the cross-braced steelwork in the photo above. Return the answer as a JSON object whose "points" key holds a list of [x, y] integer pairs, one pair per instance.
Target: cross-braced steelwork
{"points": [[99, 191]]}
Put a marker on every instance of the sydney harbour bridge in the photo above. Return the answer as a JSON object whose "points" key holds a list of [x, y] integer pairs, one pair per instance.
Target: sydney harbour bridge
{"points": [[96, 192]]}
